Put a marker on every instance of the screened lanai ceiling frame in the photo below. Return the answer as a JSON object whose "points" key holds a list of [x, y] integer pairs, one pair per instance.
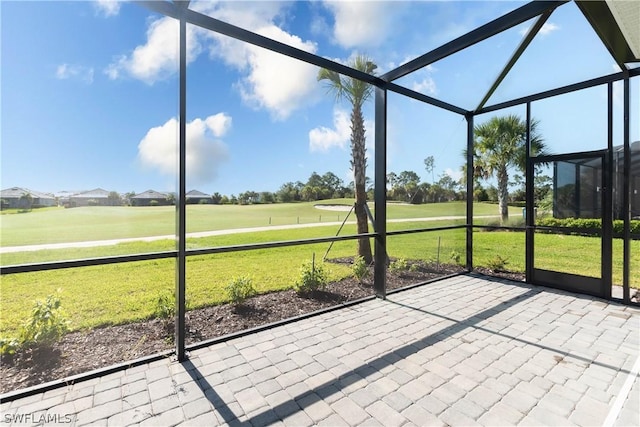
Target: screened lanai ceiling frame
{"points": [[615, 22]]}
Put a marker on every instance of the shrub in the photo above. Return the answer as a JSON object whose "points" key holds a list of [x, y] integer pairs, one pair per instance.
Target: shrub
{"points": [[360, 268], [9, 346], [46, 325], [165, 306], [590, 224], [313, 277], [399, 264], [497, 263], [455, 256], [239, 289]]}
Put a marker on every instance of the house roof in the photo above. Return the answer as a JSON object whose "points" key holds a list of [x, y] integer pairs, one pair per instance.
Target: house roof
{"points": [[150, 194], [196, 193], [17, 192], [97, 193]]}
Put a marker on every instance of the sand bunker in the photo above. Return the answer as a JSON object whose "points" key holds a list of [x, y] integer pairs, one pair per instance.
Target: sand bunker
{"points": [[342, 208]]}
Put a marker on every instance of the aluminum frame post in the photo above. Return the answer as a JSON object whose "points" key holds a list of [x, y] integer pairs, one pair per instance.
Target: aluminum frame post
{"points": [[181, 200], [470, 182], [626, 194], [607, 202], [529, 206], [380, 194]]}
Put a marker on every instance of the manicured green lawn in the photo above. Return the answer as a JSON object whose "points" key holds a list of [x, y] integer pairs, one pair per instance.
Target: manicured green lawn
{"points": [[570, 254], [122, 293], [59, 225]]}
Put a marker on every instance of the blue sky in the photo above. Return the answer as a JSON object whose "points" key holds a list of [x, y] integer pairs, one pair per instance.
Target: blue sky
{"points": [[89, 91]]}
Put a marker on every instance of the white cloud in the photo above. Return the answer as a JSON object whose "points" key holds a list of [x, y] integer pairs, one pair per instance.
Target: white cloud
{"points": [[546, 29], [268, 81], [322, 138], [426, 86], [219, 124], [362, 23], [275, 82], [107, 7], [456, 175], [71, 71], [205, 153], [423, 82], [157, 59]]}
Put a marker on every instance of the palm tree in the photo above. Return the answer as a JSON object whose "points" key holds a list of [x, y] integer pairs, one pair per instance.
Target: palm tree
{"points": [[500, 144], [356, 92]]}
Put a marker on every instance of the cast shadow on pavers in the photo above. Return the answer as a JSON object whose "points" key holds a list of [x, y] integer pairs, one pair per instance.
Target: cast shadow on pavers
{"points": [[329, 388], [486, 314], [212, 396]]}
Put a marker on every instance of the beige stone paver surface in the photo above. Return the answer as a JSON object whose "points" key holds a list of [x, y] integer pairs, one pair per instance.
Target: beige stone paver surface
{"points": [[463, 351]]}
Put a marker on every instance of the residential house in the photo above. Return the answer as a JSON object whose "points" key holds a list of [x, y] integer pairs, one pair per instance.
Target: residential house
{"points": [[195, 197], [13, 198], [151, 198], [96, 197]]}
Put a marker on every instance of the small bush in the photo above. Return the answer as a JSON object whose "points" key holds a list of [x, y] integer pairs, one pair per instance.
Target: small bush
{"points": [[313, 277], [455, 256], [497, 263], [400, 264], [360, 268], [46, 325], [239, 289], [165, 307], [9, 346]]}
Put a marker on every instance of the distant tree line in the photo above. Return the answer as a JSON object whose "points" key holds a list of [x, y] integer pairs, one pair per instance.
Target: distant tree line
{"points": [[405, 186]]}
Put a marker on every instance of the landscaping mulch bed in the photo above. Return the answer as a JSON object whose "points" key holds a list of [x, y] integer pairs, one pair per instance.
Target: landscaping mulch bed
{"points": [[83, 351]]}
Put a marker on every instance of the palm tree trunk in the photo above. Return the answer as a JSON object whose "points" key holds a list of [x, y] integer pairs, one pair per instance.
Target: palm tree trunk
{"points": [[503, 194], [359, 166]]}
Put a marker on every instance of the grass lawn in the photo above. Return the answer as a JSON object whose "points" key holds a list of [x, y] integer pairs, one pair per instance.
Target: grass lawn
{"points": [[569, 254], [121, 293], [58, 225]]}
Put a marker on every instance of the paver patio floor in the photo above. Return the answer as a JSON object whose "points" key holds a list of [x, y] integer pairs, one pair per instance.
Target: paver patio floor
{"points": [[462, 351]]}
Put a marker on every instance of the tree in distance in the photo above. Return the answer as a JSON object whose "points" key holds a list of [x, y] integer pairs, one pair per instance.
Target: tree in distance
{"points": [[500, 144], [429, 165], [357, 93]]}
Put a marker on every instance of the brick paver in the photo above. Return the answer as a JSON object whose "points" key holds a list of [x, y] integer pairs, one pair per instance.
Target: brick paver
{"points": [[462, 351]]}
